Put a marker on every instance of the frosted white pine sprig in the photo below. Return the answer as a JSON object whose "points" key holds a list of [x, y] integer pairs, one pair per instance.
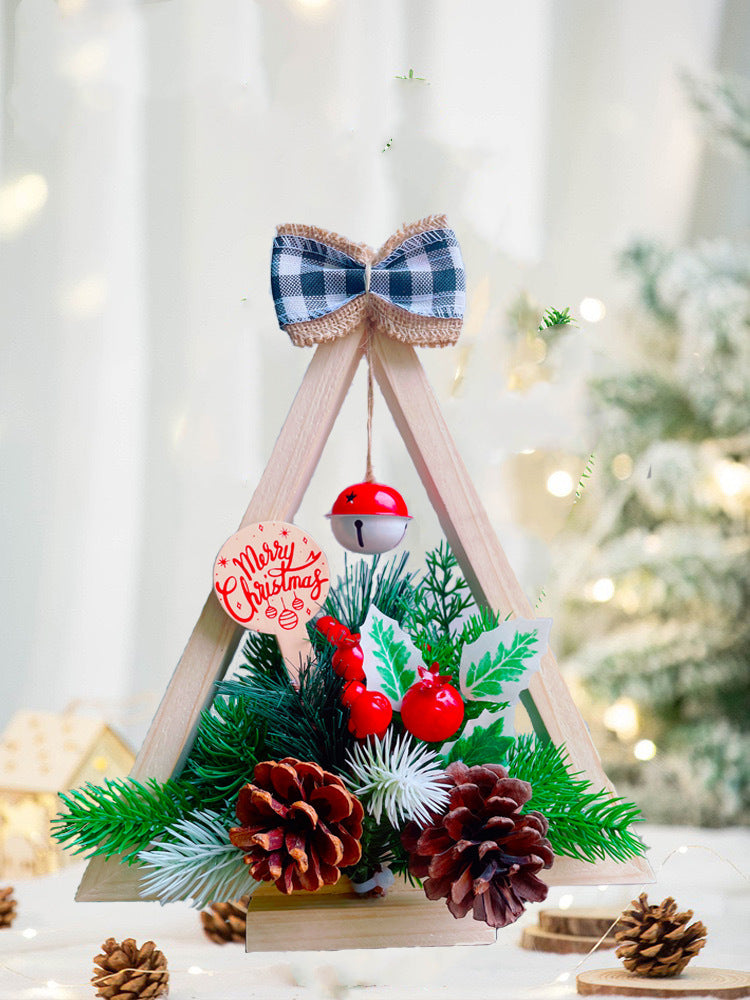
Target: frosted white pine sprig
{"points": [[196, 860], [398, 777]]}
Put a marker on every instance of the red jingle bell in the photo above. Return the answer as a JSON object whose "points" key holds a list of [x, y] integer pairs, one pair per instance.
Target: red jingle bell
{"points": [[432, 709], [369, 518], [370, 715], [349, 658]]}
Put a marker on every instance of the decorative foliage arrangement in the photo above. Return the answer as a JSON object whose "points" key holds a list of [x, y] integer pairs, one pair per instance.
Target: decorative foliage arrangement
{"points": [[394, 749]]}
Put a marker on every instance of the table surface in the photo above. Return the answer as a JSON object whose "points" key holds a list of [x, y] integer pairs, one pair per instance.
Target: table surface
{"points": [[695, 866]]}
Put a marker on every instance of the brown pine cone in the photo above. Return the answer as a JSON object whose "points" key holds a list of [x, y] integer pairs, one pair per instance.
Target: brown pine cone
{"points": [[223, 922], [127, 972], [299, 825], [482, 855], [7, 906], [655, 940]]}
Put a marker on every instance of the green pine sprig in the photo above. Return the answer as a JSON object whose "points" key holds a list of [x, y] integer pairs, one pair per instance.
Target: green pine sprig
{"points": [[307, 722], [585, 475], [584, 825], [556, 317], [196, 860], [228, 745], [390, 588], [120, 817]]}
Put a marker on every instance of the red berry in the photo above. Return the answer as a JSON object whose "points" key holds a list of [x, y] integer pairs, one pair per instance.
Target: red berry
{"points": [[370, 715], [348, 659], [331, 628], [351, 692], [432, 709]]}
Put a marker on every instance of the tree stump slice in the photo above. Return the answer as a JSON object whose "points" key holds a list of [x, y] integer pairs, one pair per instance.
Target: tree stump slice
{"points": [[336, 918], [694, 982], [584, 921], [537, 939]]}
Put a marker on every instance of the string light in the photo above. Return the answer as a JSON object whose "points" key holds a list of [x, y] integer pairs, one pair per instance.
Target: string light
{"points": [[560, 483], [592, 310], [621, 718], [20, 201], [622, 466], [29, 933], [603, 589], [644, 750], [566, 901], [733, 478]]}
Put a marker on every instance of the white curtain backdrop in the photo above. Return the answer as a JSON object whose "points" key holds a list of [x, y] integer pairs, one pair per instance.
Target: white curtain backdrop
{"points": [[147, 151]]}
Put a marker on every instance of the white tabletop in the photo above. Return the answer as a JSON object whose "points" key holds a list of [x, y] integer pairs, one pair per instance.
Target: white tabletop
{"points": [[56, 961]]}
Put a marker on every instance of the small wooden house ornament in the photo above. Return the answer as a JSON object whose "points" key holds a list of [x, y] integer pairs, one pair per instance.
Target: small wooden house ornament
{"points": [[41, 754], [365, 317]]}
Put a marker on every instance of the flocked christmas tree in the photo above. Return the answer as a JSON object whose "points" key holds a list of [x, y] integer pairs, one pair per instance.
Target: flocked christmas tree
{"points": [[659, 627]]}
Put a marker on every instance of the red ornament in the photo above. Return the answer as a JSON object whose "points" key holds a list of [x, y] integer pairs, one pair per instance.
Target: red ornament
{"points": [[331, 628], [351, 692], [370, 715], [369, 518], [270, 611], [298, 604], [432, 709], [348, 659]]}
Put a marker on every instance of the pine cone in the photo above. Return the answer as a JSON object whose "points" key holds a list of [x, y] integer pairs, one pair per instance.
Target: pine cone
{"points": [[223, 922], [482, 855], [7, 907], [655, 940], [300, 825], [127, 972]]}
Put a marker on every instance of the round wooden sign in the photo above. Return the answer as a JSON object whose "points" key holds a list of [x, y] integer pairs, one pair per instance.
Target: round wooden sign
{"points": [[271, 577]]}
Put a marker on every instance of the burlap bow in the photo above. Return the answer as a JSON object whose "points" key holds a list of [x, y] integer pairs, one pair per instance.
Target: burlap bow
{"points": [[412, 289]]}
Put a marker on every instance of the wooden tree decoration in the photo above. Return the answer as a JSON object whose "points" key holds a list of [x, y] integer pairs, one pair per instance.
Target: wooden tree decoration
{"points": [[364, 327]]}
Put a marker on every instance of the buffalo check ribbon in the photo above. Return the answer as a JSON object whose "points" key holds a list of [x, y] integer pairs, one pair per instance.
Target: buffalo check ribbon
{"points": [[412, 289]]}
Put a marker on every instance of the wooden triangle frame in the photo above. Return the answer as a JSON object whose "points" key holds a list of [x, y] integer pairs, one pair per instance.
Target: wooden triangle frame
{"points": [[466, 525]]}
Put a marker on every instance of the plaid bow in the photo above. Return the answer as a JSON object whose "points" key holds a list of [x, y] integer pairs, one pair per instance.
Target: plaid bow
{"points": [[412, 289]]}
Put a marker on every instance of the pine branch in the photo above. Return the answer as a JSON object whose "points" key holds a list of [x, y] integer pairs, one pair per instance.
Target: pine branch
{"points": [[308, 722], [120, 817], [381, 845], [556, 317], [197, 861], [263, 652], [584, 825], [228, 745], [364, 583], [586, 474]]}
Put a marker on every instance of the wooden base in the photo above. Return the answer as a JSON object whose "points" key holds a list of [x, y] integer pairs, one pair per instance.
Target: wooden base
{"points": [[694, 982], [536, 939], [336, 918]]}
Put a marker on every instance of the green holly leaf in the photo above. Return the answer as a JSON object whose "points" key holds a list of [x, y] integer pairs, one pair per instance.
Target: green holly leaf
{"points": [[391, 658], [497, 666], [484, 745]]}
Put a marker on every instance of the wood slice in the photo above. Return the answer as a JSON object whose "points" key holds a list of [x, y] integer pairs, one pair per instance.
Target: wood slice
{"points": [[583, 920], [537, 939], [694, 982]]}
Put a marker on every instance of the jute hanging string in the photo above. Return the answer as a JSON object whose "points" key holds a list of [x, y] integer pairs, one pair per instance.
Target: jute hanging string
{"points": [[412, 289]]}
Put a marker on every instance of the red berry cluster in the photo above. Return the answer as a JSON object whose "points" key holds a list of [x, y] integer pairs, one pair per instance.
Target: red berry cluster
{"points": [[370, 712], [432, 709]]}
